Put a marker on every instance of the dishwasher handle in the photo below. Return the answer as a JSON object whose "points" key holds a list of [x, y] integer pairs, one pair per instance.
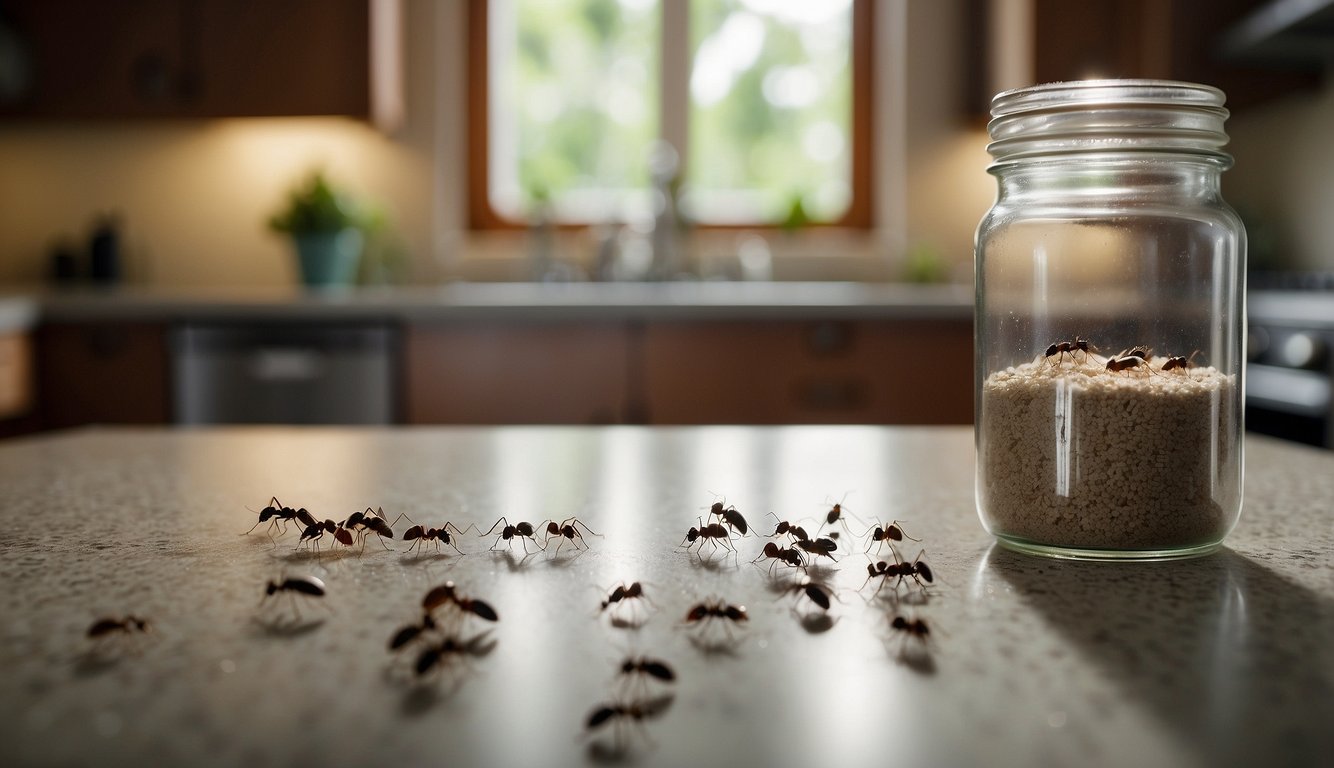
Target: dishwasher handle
{"points": [[287, 364]]}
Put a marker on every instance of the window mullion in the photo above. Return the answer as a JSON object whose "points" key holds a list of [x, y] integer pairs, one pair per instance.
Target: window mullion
{"points": [[674, 78]]}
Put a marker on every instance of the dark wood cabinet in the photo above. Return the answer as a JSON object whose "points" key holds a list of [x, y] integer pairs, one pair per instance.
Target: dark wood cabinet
{"points": [[1162, 39], [823, 372], [192, 58], [102, 373], [692, 372]]}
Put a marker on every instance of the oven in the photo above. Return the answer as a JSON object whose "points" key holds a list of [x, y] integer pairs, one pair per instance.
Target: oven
{"points": [[1290, 365]]}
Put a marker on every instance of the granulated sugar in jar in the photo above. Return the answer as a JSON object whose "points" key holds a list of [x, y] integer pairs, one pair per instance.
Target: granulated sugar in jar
{"points": [[1110, 323]]}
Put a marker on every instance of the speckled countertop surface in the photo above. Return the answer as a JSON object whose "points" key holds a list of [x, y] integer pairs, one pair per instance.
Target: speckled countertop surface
{"points": [[1223, 660]]}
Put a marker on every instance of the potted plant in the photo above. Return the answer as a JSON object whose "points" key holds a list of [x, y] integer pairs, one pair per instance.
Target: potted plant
{"points": [[326, 228]]}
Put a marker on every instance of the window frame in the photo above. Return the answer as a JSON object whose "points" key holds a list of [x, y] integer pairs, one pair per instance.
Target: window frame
{"points": [[859, 215]]}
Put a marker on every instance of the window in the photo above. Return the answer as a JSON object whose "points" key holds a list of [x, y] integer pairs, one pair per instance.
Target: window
{"points": [[758, 111]]}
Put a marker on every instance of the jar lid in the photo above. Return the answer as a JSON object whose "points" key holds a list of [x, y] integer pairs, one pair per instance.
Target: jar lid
{"points": [[1108, 116]]}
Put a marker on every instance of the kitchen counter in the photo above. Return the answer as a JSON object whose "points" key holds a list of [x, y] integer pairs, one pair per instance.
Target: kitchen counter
{"points": [[522, 301], [1222, 660]]}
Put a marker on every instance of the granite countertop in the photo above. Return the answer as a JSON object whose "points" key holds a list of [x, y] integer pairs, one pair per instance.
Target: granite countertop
{"points": [[521, 301], [1222, 660]]}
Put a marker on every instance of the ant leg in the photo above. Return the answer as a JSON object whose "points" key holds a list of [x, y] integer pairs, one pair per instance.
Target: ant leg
{"points": [[498, 522], [580, 523]]}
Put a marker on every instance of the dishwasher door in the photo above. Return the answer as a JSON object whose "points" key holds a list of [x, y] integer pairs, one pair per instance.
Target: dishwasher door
{"points": [[248, 373]]}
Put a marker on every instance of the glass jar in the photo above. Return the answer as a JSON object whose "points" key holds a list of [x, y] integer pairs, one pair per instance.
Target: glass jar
{"points": [[1110, 323]]}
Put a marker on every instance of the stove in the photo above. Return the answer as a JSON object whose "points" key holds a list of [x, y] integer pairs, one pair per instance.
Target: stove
{"points": [[1290, 365]]}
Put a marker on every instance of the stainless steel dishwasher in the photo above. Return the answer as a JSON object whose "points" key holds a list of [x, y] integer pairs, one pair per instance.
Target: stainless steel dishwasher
{"points": [[281, 373]]}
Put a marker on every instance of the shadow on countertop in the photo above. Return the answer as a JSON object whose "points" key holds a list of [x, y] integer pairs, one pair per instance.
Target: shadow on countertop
{"points": [[1235, 659]]}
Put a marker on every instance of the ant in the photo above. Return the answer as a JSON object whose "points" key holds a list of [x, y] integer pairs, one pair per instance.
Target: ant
{"points": [[523, 531], [411, 632], [1179, 363], [446, 533], [731, 516], [635, 712], [447, 594], [816, 593], [315, 531], [834, 515], [784, 527], [645, 666], [439, 654], [911, 628], [891, 531], [917, 570], [713, 532], [126, 626], [278, 515], [368, 522], [818, 547], [788, 555], [1126, 362], [567, 530], [309, 586], [702, 614], [635, 591], [1061, 348]]}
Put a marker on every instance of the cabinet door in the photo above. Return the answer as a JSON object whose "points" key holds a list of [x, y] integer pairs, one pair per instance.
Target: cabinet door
{"points": [[294, 57], [862, 372], [104, 373], [491, 373], [93, 58]]}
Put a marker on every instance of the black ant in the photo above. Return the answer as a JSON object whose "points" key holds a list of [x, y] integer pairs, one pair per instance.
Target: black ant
{"points": [[1179, 363], [890, 531], [834, 515], [446, 533], [917, 570], [731, 516], [411, 632], [787, 555], [126, 626], [368, 522], [447, 594], [315, 531], [816, 593], [635, 591], [278, 515], [818, 547], [1126, 362], [523, 531], [1061, 348], [635, 712], [713, 533], [567, 530], [702, 614], [911, 628], [437, 655], [309, 586], [784, 527], [647, 667]]}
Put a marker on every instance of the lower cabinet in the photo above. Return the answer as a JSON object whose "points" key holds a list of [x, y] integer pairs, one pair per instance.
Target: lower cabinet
{"points": [[831, 372], [684, 372], [102, 373], [520, 373]]}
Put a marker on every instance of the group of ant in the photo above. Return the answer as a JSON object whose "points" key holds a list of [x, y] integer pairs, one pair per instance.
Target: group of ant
{"points": [[1135, 358], [358, 526], [803, 549], [438, 635]]}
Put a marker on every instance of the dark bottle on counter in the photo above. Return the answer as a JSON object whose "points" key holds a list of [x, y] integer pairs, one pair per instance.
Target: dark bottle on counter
{"points": [[64, 264], [104, 252]]}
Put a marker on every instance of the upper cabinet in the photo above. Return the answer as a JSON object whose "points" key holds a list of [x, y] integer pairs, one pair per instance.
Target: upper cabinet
{"points": [[1042, 41], [74, 59]]}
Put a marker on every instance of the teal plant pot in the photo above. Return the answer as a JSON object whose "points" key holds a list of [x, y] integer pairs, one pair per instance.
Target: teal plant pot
{"points": [[328, 258]]}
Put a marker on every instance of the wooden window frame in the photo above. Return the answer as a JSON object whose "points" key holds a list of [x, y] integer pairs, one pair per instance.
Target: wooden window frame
{"points": [[482, 216]]}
